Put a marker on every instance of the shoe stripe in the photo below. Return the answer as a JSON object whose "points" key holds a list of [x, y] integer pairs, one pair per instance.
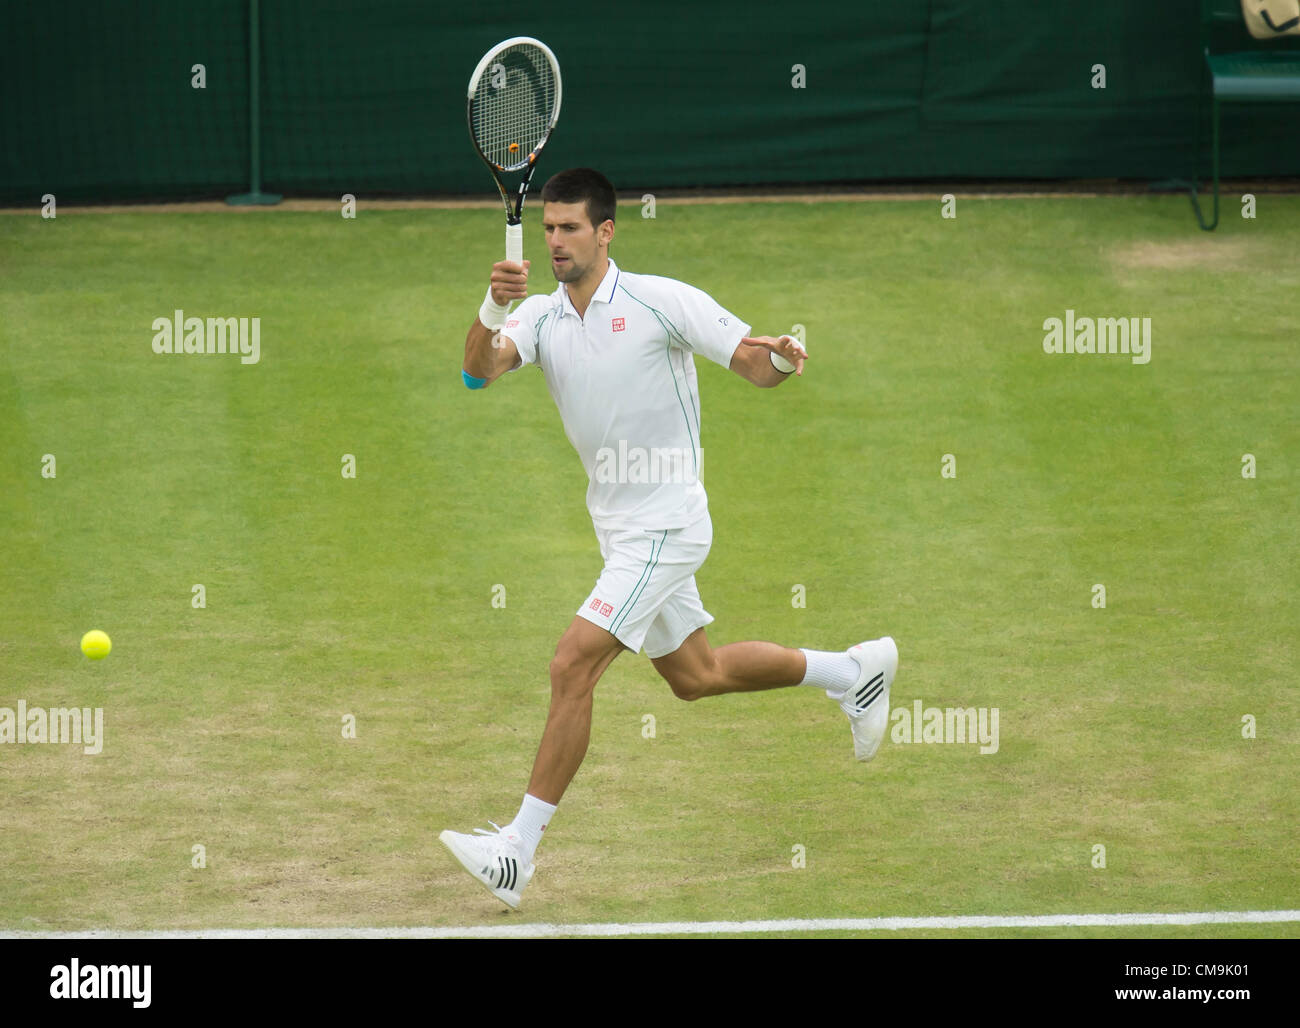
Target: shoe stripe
{"points": [[867, 700], [862, 697], [866, 686]]}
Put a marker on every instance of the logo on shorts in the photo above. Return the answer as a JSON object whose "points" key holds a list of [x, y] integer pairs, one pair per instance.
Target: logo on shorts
{"points": [[512, 323], [601, 607], [619, 324]]}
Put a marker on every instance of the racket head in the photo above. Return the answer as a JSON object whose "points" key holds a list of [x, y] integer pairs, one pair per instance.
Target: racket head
{"points": [[513, 102]]}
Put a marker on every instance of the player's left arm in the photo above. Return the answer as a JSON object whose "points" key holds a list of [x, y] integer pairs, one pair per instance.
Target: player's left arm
{"points": [[701, 325], [752, 360]]}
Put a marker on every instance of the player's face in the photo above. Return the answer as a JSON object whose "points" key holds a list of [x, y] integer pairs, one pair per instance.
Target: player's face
{"points": [[574, 242]]}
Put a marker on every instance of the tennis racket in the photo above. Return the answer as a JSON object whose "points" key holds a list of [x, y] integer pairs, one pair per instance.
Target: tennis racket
{"points": [[514, 102]]}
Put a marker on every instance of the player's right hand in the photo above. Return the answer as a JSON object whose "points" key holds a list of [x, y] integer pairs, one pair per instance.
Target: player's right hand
{"points": [[509, 281]]}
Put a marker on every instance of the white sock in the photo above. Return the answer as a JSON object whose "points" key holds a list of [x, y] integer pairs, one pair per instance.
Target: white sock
{"points": [[834, 672], [530, 823]]}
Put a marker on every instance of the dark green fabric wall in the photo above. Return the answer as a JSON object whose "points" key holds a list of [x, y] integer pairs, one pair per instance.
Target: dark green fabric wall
{"points": [[368, 97]]}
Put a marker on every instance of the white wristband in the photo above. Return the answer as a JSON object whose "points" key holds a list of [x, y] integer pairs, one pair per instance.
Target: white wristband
{"points": [[492, 314], [780, 363]]}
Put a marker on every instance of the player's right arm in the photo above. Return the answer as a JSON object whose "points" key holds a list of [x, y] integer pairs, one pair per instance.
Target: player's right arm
{"points": [[489, 354]]}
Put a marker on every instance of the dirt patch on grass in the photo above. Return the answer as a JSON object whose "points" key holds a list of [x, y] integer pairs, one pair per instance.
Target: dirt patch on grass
{"points": [[1201, 252]]}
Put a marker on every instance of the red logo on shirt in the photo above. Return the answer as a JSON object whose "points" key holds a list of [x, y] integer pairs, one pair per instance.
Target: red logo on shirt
{"points": [[606, 609], [619, 325], [512, 323]]}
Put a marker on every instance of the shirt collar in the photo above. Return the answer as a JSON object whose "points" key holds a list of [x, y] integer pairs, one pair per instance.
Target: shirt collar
{"points": [[604, 292]]}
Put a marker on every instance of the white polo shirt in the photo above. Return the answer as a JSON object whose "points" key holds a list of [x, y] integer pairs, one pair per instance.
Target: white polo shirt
{"points": [[624, 381]]}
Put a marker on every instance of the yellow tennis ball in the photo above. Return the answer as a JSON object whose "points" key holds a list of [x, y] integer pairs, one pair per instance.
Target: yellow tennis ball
{"points": [[96, 644]]}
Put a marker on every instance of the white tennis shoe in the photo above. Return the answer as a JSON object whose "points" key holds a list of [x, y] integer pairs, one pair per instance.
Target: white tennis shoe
{"points": [[495, 859], [866, 701]]}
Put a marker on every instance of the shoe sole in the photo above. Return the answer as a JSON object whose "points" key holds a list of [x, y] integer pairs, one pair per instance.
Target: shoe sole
{"points": [[508, 897]]}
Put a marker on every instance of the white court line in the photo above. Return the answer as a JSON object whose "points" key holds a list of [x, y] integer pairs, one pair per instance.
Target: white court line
{"points": [[588, 931]]}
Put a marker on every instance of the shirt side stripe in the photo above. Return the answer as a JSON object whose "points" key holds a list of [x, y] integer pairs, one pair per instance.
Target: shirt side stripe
{"points": [[668, 327]]}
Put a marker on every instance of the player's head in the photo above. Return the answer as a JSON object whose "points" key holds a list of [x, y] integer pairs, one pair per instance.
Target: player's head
{"points": [[585, 186], [578, 215]]}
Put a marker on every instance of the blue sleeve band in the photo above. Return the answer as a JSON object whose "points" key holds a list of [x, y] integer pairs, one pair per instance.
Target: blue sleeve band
{"points": [[471, 382]]}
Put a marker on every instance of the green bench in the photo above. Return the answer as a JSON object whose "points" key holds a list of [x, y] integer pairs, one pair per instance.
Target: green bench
{"points": [[1242, 69]]}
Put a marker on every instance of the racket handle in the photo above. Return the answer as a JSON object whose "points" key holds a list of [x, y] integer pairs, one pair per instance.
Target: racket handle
{"points": [[515, 243]]}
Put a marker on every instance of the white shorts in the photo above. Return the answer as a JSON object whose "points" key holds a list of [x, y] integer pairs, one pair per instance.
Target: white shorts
{"points": [[646, 594]]}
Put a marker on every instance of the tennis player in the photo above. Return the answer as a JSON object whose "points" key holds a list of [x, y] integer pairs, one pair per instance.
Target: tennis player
{"points": [[617, 352]]}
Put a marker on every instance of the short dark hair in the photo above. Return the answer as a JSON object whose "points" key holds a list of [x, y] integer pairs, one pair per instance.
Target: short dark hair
{"points": [[585, 185]]}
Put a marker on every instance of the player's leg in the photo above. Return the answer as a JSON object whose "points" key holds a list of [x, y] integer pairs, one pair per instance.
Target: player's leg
{"points": [[680, 650], [581, 657], [503, 860], [858, 679], [695, 669]]}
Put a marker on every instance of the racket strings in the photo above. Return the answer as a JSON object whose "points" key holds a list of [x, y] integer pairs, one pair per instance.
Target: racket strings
{"points": [[512, 107]]}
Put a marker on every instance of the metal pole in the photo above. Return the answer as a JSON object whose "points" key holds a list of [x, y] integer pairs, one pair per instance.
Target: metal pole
{"points": [[255, 196]]}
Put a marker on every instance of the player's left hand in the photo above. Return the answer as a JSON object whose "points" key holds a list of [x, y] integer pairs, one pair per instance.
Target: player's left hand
{"points": [[786, 346]]}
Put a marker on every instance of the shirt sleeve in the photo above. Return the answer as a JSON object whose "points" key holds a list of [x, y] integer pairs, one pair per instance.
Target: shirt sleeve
{"points": [[702, 325], [521, 329]]}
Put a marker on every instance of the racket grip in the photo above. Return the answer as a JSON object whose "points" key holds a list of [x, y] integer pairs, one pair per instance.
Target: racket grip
{"points": [[515, 243]]}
